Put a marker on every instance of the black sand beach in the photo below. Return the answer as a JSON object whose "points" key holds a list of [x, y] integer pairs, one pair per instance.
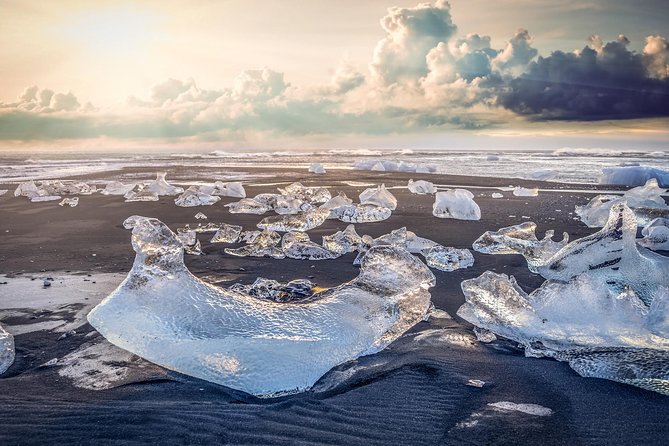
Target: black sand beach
{"points": [[412, 393]]}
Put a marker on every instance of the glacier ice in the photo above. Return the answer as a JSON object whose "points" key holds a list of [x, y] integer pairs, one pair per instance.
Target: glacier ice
{"points": [[193, 196], [227, 234], [261, 244], [421, 187], [312, 195], [335, 204], [521, 239], [316, 168], [303, 221], [362, 213], [161, 187], [525, 192], [231, 189], [456, 203], [200, 216], [6, 350], [140, 193], [51, 190], [3, 192], [342, 242], [248, 206], [655, 235], [448, 259], [543, 174], [416, 245], [117, 188], [163, 313], [298, 245], [633, 175], [378, 196], [497, 195], [293, 291], [71, 202]]}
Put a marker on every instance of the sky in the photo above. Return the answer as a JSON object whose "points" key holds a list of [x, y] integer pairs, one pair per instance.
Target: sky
{"points": [[294, 74]]}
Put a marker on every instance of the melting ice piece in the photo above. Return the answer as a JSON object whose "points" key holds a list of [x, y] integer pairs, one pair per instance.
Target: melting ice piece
{"points": [[525, 192], [656, 235], [448, 259], [162, 187], [286, 205], [396, 238], [200, 216], [71, 202], [232, 189], [379, 196], [298, 222], [316, 168], [416, 245], [298, 245], [41, 198], [421, 187], [264, 244], [140, 193], [456, 203], [363, 213], [6, 350], [342, 242], [194, 197], [521, 239], [117, 188], [311, 195], [497, 195], [293, 291], [163, 313], [247, 206], [227, 234], [335, 204]]}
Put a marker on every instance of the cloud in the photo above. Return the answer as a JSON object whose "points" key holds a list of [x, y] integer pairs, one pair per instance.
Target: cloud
{"points": [[44, 101], [517, 53]]}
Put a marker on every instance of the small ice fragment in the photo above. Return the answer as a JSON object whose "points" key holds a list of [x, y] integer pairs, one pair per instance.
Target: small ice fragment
{"points": [[484, 335], [448, 259], [227, 234], [117, 188], [247, 206], [497, 195], [71, 202], [140, 193], [656, 235], [293, 291], [298, 222], [231, 189], [3, 192], [161, 187], [456, 203], [421, 187], [378, 196], [316, 168], [342, 242], [194, 197], [195, 249], [416, 245], [297, 245], [530, 409], [525, 192], [265, 244], [475, 383], [200, 216], [492, 158], [41, 198]]}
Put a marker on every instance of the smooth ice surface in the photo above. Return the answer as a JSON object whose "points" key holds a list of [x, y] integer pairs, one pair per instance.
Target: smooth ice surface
{"points": [[456, 203], [71, 202], [316, 168], [193, 196], [543, 174], [448, 259], [393, 166], [231, 189], [633, 175], [297, 245], [161, 187], [6, 350], [656, 235], [521, 239], [421, 187], [528, 408], [247, 206], [299, 222], [378, 196], [525, 192], [163, 313]]}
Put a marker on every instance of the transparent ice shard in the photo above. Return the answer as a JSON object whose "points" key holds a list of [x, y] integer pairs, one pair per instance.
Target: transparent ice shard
{"points": [[200, 216], [342, 242], [497, 195], [448, 259], [655, 235], [299, 222], [521, 239], [298, 245], [378, 196], [285, 205], [247, 206], [421, 187], [227, 234], [140, 193], [293, 291], [316, 168], [456, 203], [163, 313], [194, 197], [6, 350], [71, 202], [231, 189], [525, 192], [117, 188], [396, 238], [161, 187], [41, 198], [263, 244], [416, 245], [312, 195], [336, 204], [363, 213], [27, 189]]}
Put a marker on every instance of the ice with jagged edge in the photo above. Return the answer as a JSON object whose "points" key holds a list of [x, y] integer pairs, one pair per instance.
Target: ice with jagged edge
{"points": [[342, 242], [309, 194], [293, 291], [6, 350], [521, 239], [525, 192], [303, 221], [362, 213], [161, 187], [446, 258], [231, 189], [378, 196], [117, 188], [200, 216], [51, 190], [421, 187], [166, 315], [456, 203], [655, 235], [248, 206], [227, 234], [261, 244], [316, 168], [336, 204], [646, 201], [71, 202], [140, 193], [298, 245], [193, 196]]}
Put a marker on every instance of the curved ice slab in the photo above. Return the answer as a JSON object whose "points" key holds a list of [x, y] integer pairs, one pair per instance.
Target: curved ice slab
{"points": [[163, 313], [297, 222], [161, 187], [456, 203], [521, 239], [6, 350]]}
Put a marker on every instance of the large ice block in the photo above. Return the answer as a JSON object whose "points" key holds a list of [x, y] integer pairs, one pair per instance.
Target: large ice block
{"points": [[163, 313], [6, 350], [362, 213], [117, 188], [342, 242], [448, 259], [262, 244], [456, 203]]}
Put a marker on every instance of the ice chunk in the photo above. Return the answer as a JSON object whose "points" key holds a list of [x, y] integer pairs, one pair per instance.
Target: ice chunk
{"points": [[342, 242], [247, 206], [162, 187], [298, 222], [6, 350], [396, 238], [293, 291], [313, 195], [285, 205], [378, 196], [297, 245], [3, 192], [117, 188], [163, 313], [521, 239], [231, 189], [227, 234], [365, 213], [416, 245], [140, 193], [543, 174], [316, 168], [497, 195], [378, 167], [200, 216], [633, 176], [194, 197], [483, 335], [263, 244], [456, 203], [335, 204], [492, 158], [41, 198], [421, 187], [71, 202], [656, 235], [530, 409], [448, 259], [525, 192]]}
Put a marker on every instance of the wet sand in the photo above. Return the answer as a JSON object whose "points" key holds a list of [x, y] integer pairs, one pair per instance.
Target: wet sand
{"points": [[412, 393]]}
